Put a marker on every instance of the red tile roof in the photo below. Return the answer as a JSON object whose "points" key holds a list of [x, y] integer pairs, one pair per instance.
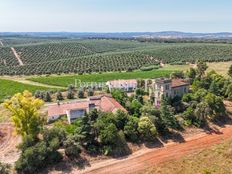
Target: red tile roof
{"points": [[178, 82], [103, 102]]}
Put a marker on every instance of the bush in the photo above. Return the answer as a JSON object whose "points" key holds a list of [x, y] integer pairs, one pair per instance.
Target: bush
{"points": [[4, 168], [149, 68]]}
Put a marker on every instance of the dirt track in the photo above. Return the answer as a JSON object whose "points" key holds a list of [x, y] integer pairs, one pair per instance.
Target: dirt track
{"points": [[17, 56], [144, 159]]}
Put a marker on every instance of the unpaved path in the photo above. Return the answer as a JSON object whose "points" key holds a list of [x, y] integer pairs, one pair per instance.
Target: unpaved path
{"points": [[9, 141], [1, 43], [17, 56], [146, 158]]}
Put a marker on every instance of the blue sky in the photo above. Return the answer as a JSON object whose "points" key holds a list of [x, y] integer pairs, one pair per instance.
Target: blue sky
{"points": [[116, 15]]}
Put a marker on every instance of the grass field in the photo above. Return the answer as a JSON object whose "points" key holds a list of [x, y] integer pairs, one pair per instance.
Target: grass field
{"points": [[70, 79], [9, 88], [214, 160]]}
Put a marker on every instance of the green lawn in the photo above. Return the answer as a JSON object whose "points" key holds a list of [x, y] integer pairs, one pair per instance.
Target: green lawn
{"points": [[9, 88], [66, 80]]}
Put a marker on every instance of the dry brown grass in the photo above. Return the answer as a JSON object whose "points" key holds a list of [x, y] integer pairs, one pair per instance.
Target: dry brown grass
{"points": [[214, 160]]}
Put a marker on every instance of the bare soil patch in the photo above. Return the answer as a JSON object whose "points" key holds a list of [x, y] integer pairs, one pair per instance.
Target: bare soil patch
{"points": [[8, 143]]}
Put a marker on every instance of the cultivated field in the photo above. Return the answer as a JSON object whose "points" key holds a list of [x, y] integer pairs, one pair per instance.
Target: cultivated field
{"points": [[57, 56]]}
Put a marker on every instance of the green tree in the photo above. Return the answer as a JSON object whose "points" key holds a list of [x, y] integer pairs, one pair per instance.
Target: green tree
{"points": [[70, 94], [120, 96], [131, 129], [201, 68], [59, 96], [146, 128], [25, 115], [192, 73], [72, 147], [230, 71], [47, 97], [202, 112], [167, 117], [121, 118], [81, 93]]}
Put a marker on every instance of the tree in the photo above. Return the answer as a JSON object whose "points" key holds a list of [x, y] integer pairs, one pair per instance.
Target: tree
{"points": [[216, 105], [120, 96], [202, 112], [131, 129], [47, 97], [4, 168], [25, 113], [70, 94], [146, 128], [192, 73], [167, 116], [72, 147], [201, 68], [214, 88], [177, 75], [121, 118], [59, 96], [81, 93], [230, 71], [135, 107], [38, 153], [90, 92]]}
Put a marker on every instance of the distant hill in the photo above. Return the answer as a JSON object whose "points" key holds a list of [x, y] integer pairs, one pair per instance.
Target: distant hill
{"points": [[163, 34]]}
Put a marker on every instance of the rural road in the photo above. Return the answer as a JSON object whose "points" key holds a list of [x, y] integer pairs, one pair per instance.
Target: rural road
{"points": [[144, 159]]}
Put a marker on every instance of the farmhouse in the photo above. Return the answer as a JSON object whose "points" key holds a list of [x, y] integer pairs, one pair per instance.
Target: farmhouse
{"points": [[169, 88], [126, 85], [74, 110]]}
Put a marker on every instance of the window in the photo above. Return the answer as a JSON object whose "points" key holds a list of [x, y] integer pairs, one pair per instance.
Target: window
{"points": [[185, 90], [167, 95], [167, 87]]}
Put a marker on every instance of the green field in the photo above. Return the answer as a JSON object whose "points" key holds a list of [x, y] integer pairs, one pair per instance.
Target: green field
{"points": [[70, 79], [9, 88]]}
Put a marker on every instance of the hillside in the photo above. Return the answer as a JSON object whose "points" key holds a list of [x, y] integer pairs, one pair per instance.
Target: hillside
{"points": [[60, 55]]}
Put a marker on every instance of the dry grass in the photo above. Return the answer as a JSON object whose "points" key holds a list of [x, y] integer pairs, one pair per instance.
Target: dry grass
{"points": [[4, 115], [220, 67], [214, 160]]}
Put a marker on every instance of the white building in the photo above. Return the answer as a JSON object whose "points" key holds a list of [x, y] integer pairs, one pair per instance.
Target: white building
{"points": [[76, 109], [169, 88], [125, 85]]}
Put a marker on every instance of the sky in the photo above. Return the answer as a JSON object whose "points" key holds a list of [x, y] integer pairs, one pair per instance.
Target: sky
{"points": [[115, 15]]}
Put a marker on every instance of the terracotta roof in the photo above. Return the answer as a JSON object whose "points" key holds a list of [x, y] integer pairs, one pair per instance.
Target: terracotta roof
{"points": [[104, 102], [178, 82]]}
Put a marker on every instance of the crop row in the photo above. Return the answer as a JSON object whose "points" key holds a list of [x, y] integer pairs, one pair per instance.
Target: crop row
{"points": [[88, 64]]}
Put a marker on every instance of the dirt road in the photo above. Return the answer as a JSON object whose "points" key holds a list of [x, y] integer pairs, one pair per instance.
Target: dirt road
{"points": [[144, 159], [17, 56], [1, 43]]}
